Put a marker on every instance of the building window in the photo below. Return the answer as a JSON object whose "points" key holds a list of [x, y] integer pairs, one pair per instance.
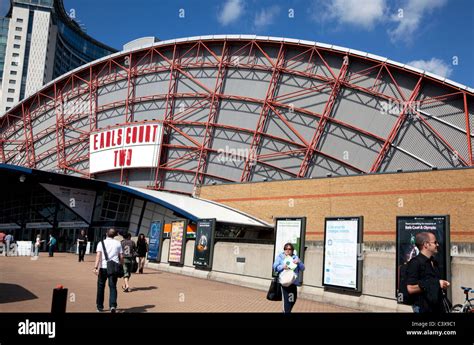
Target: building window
{"points": [[19, 20], [11, 90], [16, 46], [16, 55], [18, 37], [9, 99], [13, 72], [14, 63], [13, 82], [18, 29], [8, 108]]}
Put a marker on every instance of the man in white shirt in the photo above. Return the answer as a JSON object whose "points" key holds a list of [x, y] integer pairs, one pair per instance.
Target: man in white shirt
{"points": [[115, 253]]}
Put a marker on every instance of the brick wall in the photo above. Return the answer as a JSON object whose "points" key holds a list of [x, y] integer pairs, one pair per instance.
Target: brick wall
{"points": [[379, 198]]}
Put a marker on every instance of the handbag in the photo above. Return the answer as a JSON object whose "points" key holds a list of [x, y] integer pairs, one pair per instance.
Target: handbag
{"points": [[113, 268], [287, 277], [134, 265], [274, 292], [446, 303]]}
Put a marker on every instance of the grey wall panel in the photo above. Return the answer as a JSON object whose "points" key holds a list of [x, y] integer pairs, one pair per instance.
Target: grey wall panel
{"points": [[191, 109], [261, 172], [46, 143], [397, 159], [359, 74], [44, 121], [110, 117], [297, 59], [277, 127], [153, 110], [227, 165], [111, 176], [205, 76], [455, 138], [363, 111], [111, 93], [291, 92], [349, 146], [451, 110], [248, 83], [189, 163], [179, 182], [417, 139], [152, 84], [141, 177], [334, 61], [231, 140], [194, 132], [239, 114], [321, 166]]}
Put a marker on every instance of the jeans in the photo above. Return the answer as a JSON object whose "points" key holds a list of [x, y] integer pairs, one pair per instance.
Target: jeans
{"points": [[290, 295], [36, 251], [101, 279], [82, 252], [51, 250]]}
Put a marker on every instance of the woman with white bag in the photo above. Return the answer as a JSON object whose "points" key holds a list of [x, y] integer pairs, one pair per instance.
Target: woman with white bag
{"points": [[288, 266]]}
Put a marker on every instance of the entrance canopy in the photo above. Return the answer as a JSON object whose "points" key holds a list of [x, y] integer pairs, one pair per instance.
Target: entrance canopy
{"points": [[181, 205]]}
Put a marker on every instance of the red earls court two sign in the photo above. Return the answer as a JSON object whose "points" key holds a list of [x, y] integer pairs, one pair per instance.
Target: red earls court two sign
{"points": [[130, 146]]}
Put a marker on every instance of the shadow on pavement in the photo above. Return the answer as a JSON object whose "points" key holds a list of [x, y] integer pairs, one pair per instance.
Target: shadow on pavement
{"points": [[14, 293], [141, 309], [146, 288]]}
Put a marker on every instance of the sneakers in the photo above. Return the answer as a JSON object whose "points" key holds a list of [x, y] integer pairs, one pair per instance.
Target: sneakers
{"points": [[113, 310], [100, 309]]}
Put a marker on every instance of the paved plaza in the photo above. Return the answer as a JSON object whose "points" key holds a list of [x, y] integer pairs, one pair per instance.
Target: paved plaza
{"points": [[26, 286]]}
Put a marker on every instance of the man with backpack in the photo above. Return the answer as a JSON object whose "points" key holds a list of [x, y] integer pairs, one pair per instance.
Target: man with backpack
{"points": [[107, 250], [423, 278]]}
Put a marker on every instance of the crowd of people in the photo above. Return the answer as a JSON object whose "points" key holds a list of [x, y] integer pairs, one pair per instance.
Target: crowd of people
{"points": [[424, 282]]}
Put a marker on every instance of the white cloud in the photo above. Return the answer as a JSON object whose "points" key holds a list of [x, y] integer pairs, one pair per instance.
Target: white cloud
{"points": [[231, 11], [359, 13], [266, 16], [409, 17], [434, 65]]}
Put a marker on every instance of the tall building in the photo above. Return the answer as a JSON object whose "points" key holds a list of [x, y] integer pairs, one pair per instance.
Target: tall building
{"points": [[39, 42]]}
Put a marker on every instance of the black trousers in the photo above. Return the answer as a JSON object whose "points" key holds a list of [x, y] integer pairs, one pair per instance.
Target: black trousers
{"points": [[289, 294], [101, 279], [82, 252]]}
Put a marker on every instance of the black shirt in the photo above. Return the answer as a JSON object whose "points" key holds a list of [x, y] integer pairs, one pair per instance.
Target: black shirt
{"points": [[424, 272], [82, 238]]}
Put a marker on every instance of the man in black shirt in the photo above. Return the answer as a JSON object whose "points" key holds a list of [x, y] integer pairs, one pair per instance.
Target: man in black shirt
{"points": [[82, 244], [423, 277]]}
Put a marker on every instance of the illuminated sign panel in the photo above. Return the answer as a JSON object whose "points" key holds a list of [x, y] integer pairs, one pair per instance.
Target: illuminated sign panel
{"points": [[132, 146]]}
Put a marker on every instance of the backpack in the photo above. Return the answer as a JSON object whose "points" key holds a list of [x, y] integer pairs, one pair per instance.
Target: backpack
{"points": [[53, 241]]}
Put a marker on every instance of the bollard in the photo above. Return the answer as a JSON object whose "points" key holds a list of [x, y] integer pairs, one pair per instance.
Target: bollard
{"points": [[58, 305]]}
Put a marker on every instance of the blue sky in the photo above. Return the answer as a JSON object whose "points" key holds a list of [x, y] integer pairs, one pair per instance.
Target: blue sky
{"points": [[436, 35]]}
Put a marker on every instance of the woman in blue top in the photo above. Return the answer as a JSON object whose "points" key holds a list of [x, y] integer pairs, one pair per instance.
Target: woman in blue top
{"points": [[289, 293]]}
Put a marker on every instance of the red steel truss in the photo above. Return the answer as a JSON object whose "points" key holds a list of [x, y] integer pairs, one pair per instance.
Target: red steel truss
{"points": [[73, 101]]}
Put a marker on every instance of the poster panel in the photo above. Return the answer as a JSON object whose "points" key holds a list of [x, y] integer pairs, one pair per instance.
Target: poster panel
{"points": [[155, 236], [407, 228], [204, 244], [342, 259], [290, 230], [178, 236]]}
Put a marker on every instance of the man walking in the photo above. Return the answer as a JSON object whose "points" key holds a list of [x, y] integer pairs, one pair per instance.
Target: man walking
{"points": [[424, 278], [114, 253]]}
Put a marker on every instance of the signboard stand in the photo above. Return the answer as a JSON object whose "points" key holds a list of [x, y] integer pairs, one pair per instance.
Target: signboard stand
{"points": [[343, 254], [290, 230], [407, 228], [204, 244], [177, 242], [154, 246]]}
